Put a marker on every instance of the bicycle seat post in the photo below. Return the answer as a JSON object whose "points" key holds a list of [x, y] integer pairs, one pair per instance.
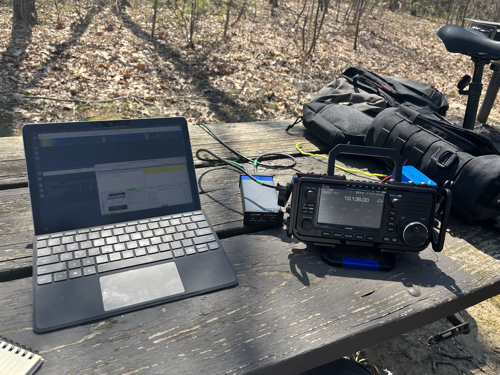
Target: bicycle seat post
{"points": [[474, 91]]}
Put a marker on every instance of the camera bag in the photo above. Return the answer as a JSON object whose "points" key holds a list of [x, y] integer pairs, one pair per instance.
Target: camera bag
{"points": [[443, 152]]}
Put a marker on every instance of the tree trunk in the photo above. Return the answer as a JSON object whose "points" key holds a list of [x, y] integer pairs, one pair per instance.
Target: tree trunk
{"points": [[24, 10]]}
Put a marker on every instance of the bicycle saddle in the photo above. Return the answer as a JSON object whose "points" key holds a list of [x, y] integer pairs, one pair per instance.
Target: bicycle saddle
{"points": [[468, 42]]}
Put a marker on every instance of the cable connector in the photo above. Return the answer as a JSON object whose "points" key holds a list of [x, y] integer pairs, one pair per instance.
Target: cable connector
{"points": [[283, 193]]}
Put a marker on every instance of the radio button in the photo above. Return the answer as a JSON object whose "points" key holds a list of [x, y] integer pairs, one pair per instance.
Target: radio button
{"points": [[391, 224], [394, 239], [359, 237], [386, 239], [370, 238], [307, 224], [396, 202], [393, 213], [392, 218], [311, 205], [348, 236], [325, 234], [310, 195], [390, 229], [305, 211], [338, 235]]}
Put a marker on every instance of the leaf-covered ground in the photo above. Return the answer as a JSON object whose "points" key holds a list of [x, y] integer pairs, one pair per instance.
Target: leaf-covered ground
{"points": [[106, 65]]}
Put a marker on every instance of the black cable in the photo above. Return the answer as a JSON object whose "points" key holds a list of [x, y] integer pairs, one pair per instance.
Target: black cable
{"points": [[241, 156]]}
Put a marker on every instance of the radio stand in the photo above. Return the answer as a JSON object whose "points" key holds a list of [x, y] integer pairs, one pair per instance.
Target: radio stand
{"points": [[357, 257]]}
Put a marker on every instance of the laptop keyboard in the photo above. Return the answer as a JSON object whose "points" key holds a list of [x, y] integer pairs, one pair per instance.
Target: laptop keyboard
{"points": [[88, 252]]}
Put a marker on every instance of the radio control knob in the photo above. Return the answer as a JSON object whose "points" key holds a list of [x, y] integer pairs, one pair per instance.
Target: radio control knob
{"points": [[396, 202], [310, 195], [415, 234], [307, 224]]}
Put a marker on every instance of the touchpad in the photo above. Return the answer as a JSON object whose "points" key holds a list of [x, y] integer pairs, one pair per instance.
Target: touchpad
{"points": [[142, 285]]}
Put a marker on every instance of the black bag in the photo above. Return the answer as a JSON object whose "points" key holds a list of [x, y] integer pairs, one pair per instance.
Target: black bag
{"points": [[443, 152], [397, 90], [335, 123]]}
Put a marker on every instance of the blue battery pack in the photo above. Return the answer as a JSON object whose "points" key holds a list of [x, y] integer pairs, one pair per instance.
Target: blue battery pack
{"points": [[413, 174]]}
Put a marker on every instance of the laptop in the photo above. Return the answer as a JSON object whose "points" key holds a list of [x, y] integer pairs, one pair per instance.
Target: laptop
{"points": [[117, 219]]}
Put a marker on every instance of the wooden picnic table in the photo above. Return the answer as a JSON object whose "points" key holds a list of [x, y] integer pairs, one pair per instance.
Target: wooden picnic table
{"points": [[290, 311]]}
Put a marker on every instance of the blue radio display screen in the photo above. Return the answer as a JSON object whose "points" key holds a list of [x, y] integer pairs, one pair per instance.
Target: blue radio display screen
{"points": [[351, 207]]}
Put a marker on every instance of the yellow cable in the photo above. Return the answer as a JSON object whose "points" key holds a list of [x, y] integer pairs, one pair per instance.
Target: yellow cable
{"points": [[339, 167]]}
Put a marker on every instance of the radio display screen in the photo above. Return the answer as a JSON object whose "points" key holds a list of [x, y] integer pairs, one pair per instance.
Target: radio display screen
{"points": [[351, 207]]}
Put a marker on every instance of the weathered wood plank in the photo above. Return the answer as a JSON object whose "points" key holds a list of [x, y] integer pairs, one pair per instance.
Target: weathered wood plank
{"points": [[289, 313], [247, 138], [220, 198]]}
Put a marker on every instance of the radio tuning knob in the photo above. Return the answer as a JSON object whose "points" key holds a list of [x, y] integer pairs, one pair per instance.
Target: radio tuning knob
{"points": [[396, 202], [310, 195], [307, 224], [415, 234]]}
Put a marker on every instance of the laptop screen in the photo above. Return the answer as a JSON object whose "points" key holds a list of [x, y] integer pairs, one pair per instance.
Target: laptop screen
{"points": [[96, 173]]}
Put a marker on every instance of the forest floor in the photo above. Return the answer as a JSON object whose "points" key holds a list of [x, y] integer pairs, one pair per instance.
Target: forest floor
{"points": [[100, 62]]}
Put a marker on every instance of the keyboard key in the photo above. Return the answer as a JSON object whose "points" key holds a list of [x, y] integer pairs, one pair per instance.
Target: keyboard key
{"points": [[170, 230], [122, 225], [94, 236], [88, 262], [118, 231], [40, 244], [143, 221], [142, 227], [147, 234], [186, 220], [190, 234], [124, 238], [120, 247], [202, 248], [127, 254], [135, 261], [59, 249], [181, 228], [106, 233], [175, 222], [83, 231], [66, 256], [80, 254], [96, 229], [132, 245], [51, 268], [164, 247], [140, 252], [107, 249], [155, 241], [73, 274], [114, 257], [187, 214], [130, 229], [203, 239], [203, 224], [152, 249], [177, 216], [164, 223], [144, 243], [159, 232], [67, 240], [190, 250], [80, 237], [135, 236], [167, 238], [72, 247], [178, 236], [203, 232], [192, 226], [175, 244], [101, 259], [44, 252], [60, 276], [54, 242], [100, 242], [155, 219], [45, 279], [111, 240], [213, 245], [198, 218], [178, 253], [87, 271], [108, 227], [42, 238], [86, 245], [72, 233], [187, 242], [94, 252], [153, 226], [57, 235], [74, 264]]}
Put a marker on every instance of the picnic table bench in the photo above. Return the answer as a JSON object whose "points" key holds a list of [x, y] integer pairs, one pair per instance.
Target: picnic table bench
{"points": [[290, 311]]}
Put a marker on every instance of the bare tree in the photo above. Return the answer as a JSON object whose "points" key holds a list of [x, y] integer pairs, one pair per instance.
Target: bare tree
{"points": [[25, 10]]}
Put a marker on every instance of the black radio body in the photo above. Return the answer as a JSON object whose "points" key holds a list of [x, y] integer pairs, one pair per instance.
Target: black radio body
{"points": [[330, 210]]}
